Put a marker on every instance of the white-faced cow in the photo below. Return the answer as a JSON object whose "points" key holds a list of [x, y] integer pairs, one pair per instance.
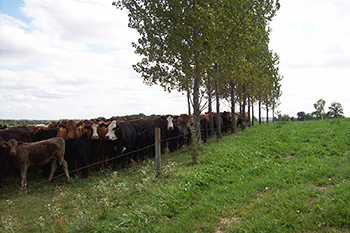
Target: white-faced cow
{"points": [[124, 137], [37, 153], [165, 123]]}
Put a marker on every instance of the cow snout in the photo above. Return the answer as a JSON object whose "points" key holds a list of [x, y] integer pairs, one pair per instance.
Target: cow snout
{"points": [[107, 137], [95, 137], [13, 153], [170, 128]]}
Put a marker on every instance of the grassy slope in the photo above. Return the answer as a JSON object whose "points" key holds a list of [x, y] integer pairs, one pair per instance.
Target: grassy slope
{"points": [[271, 178]]}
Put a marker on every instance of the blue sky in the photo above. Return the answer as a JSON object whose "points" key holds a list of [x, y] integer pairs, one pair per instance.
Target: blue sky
{"points": [[11, 8], [73, 59]]}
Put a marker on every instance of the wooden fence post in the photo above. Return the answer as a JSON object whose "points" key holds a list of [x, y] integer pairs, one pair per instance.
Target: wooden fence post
{"points": [[157, 150]]}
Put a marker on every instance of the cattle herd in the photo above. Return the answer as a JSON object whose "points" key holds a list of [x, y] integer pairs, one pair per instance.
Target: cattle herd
{"points": [[92, 144]]}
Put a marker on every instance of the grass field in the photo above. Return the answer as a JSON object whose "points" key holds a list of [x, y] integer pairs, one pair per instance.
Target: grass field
{"points": [[281, 177]]}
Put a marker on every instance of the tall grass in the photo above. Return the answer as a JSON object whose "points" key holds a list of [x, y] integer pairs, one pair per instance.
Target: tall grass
{"points": [[282, 177]]}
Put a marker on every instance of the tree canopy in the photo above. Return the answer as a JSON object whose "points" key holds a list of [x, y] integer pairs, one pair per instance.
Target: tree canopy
{"points": [[181, 41]]}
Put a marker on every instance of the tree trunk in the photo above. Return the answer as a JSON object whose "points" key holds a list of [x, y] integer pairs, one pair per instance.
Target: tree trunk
{"points": [[243, 115], [259, 112], [218, 125], [252, 113], [243, 109], [196, 109], [210, 109], [189, 102], [248, 111], [233, 113], [267, 114]]}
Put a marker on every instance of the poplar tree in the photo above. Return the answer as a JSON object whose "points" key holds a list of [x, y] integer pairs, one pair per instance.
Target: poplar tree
{"points": [[180, 40]]}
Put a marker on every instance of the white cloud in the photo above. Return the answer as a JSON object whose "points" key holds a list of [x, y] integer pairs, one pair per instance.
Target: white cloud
{"points": [[73, 58], [311, 38]]}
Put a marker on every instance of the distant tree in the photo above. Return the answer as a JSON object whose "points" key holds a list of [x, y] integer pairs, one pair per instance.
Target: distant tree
{"points": [[319, 106], [284, 117], [336, 110], [301, 116], [309, 117]]}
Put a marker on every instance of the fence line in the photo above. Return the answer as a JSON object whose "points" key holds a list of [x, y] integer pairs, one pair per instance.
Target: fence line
{"points": [[108, 160]]}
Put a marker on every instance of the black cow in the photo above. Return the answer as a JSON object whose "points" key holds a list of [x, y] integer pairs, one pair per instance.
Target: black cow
{"points": [[226, 120], [77, 150], [6, 162], [165, 123], [204, 129], [45, 134], [179, 136], [124, 137], [17, 133], [185, 134], [145, 142]]}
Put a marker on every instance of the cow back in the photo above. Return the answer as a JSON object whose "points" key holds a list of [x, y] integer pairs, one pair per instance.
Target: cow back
{"points": [[45, 134], [40, 153], [17, 133]]}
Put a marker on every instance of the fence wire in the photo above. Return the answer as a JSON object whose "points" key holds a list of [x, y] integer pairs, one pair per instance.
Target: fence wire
{"points": [[105, 161]]}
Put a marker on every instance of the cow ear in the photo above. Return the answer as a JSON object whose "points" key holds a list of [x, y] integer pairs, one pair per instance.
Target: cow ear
{"points": [[4, 144], [162, 117], [20, 143]]}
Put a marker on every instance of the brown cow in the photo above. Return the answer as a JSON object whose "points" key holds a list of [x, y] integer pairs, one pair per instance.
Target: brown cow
{"points": [[72, 130], [69, 130], [240, 119], [53, 124], [62, 131], [183, 118], [37, 153]]}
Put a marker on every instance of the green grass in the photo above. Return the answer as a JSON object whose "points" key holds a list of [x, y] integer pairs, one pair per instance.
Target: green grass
{"points": [[282, 177]]}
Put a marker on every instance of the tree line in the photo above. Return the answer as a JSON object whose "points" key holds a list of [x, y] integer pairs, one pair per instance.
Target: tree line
{"points": [[26, 122], [335, 110], [211, 50]]}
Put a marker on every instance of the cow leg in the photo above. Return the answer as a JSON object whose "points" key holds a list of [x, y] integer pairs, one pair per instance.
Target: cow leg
{"points": [[24, 176], [65, 168], [53, 169]]}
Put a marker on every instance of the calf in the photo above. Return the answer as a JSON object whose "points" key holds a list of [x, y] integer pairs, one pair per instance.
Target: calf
{"points": [[37, 153]]}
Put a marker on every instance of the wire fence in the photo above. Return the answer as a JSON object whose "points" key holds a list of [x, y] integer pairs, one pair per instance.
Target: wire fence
{"points": [[109, 160]]}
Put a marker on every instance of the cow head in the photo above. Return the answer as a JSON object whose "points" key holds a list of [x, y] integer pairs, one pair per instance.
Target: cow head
{"points": [[170, 121], [11, 145], [72, 130], [62, 131], [102, 129], [111, 131], [94, 131]]}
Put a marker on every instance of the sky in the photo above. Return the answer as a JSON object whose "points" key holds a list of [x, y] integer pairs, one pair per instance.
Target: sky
{"points": [[72, 59]]}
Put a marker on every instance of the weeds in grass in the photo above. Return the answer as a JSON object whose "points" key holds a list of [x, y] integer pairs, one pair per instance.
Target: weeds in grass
{"points": [[285, 177]]}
